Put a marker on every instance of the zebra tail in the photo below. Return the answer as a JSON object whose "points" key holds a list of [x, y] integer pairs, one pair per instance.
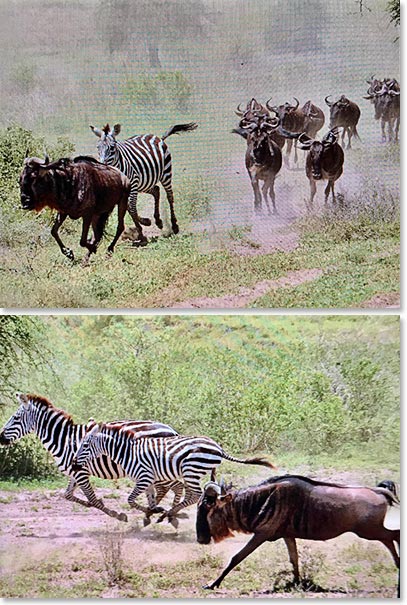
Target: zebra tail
{"points": [[258, 461], [179, 128]]}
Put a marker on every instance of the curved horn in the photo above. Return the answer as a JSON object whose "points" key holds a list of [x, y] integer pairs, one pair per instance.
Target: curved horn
{"points": [[297, 101], [329, 103], [95, 130], [305, 143], [46, 157], [239, 111], [27, 153], [212, 489]]}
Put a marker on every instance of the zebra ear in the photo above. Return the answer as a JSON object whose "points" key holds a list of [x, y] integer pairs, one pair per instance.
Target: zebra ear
{"points": [[94, 430], [22, 398]]}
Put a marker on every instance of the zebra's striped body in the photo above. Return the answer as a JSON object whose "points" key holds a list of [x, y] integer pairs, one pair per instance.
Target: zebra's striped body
{"points": [[62, 437], [146, 161], [182, 459]]}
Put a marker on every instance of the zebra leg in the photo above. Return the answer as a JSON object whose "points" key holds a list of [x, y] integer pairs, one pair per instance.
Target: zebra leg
{"points": [[155, 192], [170, 198], [137, 220], [142, 484], [192, 495], [83, 482]]}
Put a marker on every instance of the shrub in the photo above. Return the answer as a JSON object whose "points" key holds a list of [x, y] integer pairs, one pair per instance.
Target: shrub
{"points": [[169, 88]]}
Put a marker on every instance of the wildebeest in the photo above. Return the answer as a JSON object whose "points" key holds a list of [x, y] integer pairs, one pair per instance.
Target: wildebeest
{"points": [[253, 114], [263, 159], [344, 114], [385, 96], [290, 507], [324, 160], [79, 188], [309, 119]]}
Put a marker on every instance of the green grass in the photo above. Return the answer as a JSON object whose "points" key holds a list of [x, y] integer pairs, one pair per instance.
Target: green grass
{"points": [[174, 270]]}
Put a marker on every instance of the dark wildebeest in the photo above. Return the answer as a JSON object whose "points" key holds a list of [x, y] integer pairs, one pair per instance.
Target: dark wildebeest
{"points": [[344, 114], [291, 507], [254, 113], [385, 96], [314, 119], [324, 160], [291, 118], [79, 188], [263, 159]]}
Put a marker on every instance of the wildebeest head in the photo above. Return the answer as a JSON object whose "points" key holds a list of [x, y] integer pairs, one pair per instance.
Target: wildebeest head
{"points": [[210, 522], [317, 149], [107, 144], [35, 181], [253, 110], [258, 137], [286, 112]]}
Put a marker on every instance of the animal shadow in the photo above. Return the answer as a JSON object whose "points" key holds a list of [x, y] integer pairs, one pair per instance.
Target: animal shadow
{"points": [[306, 584]]}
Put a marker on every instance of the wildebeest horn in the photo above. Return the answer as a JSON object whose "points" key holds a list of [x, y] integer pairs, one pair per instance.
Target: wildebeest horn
{"points": [[297, 101], [212, 489], [394, 93], [305, 141], [329, 103], [27, 153], [369, 97], [239, 111], [46, 157], [95, 130]]}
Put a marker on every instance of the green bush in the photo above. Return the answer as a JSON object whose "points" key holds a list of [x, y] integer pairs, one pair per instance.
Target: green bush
{"points": [[26, 458], [170, 88], [193, 197]]}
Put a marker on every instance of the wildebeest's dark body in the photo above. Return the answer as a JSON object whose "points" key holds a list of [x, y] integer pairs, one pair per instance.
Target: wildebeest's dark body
{"points": [[263, 160], [79, 188], [385, 96], [344, 114], [291, 507]]}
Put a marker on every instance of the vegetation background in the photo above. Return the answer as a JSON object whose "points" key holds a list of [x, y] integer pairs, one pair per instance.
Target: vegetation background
{"points": [[320, 390], [152, 64]]}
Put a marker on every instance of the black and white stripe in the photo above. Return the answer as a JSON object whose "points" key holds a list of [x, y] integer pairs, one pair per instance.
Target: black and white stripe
{"points": [[182, 459], [146, 161], [62, 437]]}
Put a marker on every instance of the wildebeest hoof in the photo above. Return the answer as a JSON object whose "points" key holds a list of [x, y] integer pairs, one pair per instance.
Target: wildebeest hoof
{"points": [[139, 243], [68, 253], [208, 587], [175, 229], [159, 223], [122, 517]]}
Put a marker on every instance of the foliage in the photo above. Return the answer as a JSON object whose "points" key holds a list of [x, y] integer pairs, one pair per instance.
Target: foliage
{"points": [[393, 8], [170, 88], [310, 387]]}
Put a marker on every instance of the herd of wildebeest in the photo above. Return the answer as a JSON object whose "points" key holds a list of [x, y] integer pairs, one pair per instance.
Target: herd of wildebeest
{"points": [[86, 188], [158, 459]]}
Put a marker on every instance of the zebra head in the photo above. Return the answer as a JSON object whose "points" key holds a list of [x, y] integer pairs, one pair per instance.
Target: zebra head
{"points": [[21, 422], [107, 144], [92, 446]]}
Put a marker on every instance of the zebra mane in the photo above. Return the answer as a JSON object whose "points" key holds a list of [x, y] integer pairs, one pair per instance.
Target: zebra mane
{"points": [[44, 402]]}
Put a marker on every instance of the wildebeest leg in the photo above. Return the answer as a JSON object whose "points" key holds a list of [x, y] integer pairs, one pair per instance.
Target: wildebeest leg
{"points": [[288, 153], [54, 232], [349, 129], [91, 244], [396, 129], [293, 554], [155, 192], [121, 212], [170, 198], [265, 190], [383, 126], [328, 188], [256, 541], [390, 129], [257, 194], [313, 187], [295, 152]]}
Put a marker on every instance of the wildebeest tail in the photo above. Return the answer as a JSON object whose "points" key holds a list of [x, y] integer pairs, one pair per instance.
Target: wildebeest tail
{"points": [[356, 134], [258, 461], [179, 128]]}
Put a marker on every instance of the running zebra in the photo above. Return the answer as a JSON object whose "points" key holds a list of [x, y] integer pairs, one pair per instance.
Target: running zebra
{"points": [[146, 161], [61, 437], [183, 459]]}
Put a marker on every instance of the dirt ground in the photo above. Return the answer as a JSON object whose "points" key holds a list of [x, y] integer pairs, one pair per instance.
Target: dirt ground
{"points": [[51, 545]]}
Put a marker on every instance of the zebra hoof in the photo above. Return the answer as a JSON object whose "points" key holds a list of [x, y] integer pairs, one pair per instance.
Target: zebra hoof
{"points": [[139, 243], [144, 221], [161, 519], [146, 521], [122, 517], [174, 522]]}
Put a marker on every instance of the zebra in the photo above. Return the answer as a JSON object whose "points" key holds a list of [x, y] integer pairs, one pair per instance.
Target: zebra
{"points": [[61, 437], [146, 161], [146, 460]]}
